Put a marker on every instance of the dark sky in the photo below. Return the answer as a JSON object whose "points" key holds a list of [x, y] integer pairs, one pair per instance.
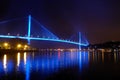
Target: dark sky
{"points": [[98, 20]]}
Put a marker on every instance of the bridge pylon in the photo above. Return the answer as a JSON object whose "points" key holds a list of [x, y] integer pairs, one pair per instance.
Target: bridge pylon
{"points": [[79, 34], [29, 28]]}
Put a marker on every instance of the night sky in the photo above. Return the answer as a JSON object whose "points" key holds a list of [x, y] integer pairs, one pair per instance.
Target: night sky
{"points": [[98, 20]]}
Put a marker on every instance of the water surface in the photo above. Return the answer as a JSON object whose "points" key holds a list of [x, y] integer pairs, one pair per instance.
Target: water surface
{"points": [[54, 65]]}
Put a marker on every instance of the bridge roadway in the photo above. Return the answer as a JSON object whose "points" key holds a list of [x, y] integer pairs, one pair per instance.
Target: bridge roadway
{"points": [[45, 39]]}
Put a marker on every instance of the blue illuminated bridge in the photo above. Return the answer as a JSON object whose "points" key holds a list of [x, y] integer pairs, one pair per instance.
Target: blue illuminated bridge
{"points": [[33, 30]]}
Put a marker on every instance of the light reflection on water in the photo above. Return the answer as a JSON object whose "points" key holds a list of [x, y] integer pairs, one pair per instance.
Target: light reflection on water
{"points": [[48, 62], [18, 59], [5, 62], [24, 58]]}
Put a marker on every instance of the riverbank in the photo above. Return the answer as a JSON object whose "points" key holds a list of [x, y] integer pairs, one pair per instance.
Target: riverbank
{"points": [[15, 50]]}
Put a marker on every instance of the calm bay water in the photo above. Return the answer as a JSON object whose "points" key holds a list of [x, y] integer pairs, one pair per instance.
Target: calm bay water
{"points": [[54, 65]]}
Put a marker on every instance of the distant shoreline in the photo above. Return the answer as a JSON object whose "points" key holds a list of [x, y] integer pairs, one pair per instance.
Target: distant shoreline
{"points": [[15, 50]]}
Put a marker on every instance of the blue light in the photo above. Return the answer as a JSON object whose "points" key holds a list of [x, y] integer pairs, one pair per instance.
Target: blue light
{"points": [[1, 68], [58, 40], [79, 41], [28, 69], [29, 28], [83, 59], [10, 64], [6, 21], [80, 60], [45, 32], [4, 36], [45, 39]]}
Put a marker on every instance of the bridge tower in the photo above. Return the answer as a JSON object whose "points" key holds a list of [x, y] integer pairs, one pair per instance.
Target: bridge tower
{"points": [[29, 28], [79, 34]]}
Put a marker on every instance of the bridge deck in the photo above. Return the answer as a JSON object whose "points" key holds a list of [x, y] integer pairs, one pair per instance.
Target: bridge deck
{"points": [[47, 39]]}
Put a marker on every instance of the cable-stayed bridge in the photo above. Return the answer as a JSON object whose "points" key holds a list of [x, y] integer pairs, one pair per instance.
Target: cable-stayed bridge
{"points": [[30, 29]]}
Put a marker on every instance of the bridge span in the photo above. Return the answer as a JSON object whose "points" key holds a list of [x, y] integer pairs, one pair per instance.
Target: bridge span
{"points": [[45, 31]]}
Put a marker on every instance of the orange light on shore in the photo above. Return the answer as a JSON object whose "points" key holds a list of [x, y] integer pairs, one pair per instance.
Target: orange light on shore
{"points": [[25, 47], [5, 44], [19, 46]]}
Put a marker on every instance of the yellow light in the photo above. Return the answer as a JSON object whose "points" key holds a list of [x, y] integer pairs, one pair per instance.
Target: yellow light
{"points": [[18, 59], [5, 61], [24, 58], [19, 45], [25, 46], [5, 44]]}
